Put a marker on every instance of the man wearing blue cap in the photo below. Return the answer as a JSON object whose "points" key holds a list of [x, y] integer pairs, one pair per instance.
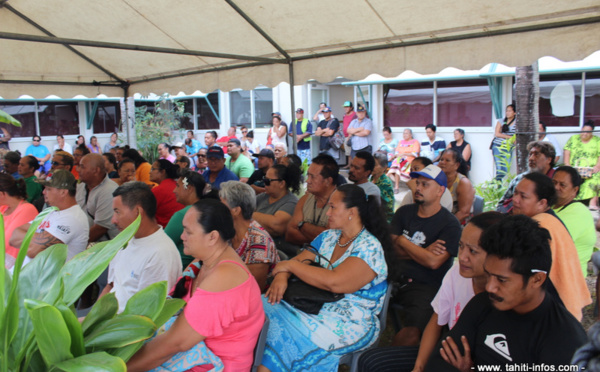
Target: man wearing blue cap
{"points": [[359, 131], [217, 173], [425, 237]]}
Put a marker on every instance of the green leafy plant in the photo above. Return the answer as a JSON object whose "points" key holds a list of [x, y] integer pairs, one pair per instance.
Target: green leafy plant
{"points": [[153, 127], [492, 190], [40, 330]]}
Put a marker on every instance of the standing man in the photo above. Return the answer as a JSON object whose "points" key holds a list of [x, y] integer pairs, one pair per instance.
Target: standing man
{"points": [[359, 131], [327, 128], [320, 114], [303, 135], [150, 256], [68, 225], [237, 162], [433, 146], [515, 322], [310, 215], [361, 168], [266, 159], [349, 115], [217, 172], [425, 238], [94, 196]]}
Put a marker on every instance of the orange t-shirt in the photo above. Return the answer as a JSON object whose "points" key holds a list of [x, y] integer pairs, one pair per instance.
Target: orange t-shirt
{"points": [[24, 213]]}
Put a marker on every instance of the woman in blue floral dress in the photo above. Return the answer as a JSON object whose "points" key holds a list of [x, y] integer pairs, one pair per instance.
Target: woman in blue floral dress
{"points": [[357, 245]]}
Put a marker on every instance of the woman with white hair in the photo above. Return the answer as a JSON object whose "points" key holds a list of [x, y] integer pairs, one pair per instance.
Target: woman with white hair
{"points": [[251, 241], [280, 151]]}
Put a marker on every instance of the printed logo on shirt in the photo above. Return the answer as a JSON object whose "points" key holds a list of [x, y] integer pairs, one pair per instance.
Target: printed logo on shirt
{"points": [[497, 342], [134, 275], [65, 229], [418, 237]]}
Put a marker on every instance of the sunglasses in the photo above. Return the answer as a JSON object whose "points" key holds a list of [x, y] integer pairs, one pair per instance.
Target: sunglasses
{"points": [[56, 164], [268, 181], [36, 140]]}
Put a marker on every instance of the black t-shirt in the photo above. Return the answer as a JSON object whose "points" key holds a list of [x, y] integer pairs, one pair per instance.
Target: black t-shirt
{"points": [[423, 232], [549, 334], [257, 178], [333, 124]]}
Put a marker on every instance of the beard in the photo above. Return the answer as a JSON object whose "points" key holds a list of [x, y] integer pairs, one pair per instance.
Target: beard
{"points": [[419, 201]]}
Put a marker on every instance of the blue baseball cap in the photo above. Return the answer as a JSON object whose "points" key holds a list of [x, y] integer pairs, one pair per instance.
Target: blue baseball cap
{"points": [[433, 172]]}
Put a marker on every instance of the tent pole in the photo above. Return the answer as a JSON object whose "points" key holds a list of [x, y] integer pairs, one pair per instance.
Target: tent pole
{"points": [[293, 104], [125, 97]]}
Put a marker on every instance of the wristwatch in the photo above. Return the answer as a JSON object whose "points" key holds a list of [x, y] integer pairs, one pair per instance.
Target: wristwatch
{"points": [[300, 224]]}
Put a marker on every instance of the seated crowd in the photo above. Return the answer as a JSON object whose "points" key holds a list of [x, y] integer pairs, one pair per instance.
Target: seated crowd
{"points": [[233, 227]]}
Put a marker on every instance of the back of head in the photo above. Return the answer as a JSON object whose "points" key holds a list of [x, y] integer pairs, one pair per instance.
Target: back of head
{"points": [[96, 161], [169, 168], [544, 188], [14, 188], [330, 169], [212, 133], [13, 157], [368, 158], [381, 158], [290, 175], [137, 194], [32, 162], [521, 239], [215, 216], [134, 155], [294, 159], [66, 158], [423, 160], [193, 179], [84, 149], [239, 194]]}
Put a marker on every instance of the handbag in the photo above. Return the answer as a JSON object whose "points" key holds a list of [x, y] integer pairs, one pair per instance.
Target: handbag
{"points": [[308, 298], [337, 140], [585, 172]]}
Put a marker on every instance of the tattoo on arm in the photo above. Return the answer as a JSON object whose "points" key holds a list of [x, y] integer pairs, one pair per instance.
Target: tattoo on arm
{"points": [[45, 239]]}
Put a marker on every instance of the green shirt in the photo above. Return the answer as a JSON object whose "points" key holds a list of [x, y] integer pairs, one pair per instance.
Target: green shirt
{"points": [[34, 189], [241, 167], [580, 224], [174, 230], [387, 195]]}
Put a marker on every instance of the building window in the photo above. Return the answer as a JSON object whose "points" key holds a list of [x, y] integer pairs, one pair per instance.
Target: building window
{"points": [[58, 117], [408, 105], [592, 100], [206, 118], [466, 104], [23, 112], [107, 117], [251, 108], [187, 122], [560, 101]]}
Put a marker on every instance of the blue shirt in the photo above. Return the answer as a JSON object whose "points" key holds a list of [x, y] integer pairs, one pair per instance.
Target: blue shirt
{"points": [[194, 148], [39, 152], [223, 176]]}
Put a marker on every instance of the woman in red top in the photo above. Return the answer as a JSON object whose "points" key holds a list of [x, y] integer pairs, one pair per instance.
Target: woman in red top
{"points": [[164, 173]]}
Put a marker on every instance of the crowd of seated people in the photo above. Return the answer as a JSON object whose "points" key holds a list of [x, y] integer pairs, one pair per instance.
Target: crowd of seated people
{"points": [[225, 224]]}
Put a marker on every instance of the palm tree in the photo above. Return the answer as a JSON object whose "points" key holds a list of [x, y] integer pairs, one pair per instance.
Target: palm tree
{"points": [[527, 93]]}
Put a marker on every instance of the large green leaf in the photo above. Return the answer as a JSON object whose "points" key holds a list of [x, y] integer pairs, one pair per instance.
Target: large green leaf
{"points": [[95, 362], [125, 352], [86, 266], [148, 302], [170, 308], [74, 327], [105, 308], [10, 313], [5, 117], [51, 332], [120, 331], [34, 283]]}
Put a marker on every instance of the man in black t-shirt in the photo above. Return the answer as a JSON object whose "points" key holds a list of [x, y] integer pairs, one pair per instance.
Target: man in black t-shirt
{"points": [[327, 128], [516, 322], [266, 159], [425, 239]]}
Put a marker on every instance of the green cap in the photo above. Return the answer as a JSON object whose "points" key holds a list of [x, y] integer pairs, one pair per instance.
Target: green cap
{"points": [[60, 179], [347, 104]]}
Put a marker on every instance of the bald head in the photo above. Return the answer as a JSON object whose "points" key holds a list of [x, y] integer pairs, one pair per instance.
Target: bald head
{"points": [[91, 169], [95, 161]]}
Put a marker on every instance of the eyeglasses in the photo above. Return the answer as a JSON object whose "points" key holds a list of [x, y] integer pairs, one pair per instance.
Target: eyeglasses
{"points": [[268, 181], [56, 164], [201, 156], [36, 140]]}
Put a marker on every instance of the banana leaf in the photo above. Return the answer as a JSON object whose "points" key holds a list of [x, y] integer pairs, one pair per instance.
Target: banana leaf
{"points": [[95, 362], [8, 119], [104, 309]]}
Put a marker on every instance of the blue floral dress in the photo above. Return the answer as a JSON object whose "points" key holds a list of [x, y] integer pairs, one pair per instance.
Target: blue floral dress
{"points": [[297, 341]]}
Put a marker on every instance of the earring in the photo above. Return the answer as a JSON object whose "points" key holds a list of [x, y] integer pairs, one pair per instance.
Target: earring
{"points": [[350, 218]]}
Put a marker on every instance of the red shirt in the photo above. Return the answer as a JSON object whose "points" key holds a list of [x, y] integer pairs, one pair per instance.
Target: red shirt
{"points": [[224, 139], [166, 205], [347, 120]]}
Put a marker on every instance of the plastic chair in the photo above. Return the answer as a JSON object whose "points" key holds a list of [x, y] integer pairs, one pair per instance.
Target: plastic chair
{"points": [[478, 203], [352, 358], [260, 345]]}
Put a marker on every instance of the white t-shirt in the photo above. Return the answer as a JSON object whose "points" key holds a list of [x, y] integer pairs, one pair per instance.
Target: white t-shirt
{"points": [[68, 148], [70, 226], [143, 262], [453, 296]]}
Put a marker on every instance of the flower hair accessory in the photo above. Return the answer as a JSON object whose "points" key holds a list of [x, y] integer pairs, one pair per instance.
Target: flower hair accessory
{"points": [[185, 183]]}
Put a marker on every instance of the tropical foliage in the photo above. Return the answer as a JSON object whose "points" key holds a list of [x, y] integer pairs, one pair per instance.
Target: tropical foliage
{"points": [[40, 330], [492, 190]]}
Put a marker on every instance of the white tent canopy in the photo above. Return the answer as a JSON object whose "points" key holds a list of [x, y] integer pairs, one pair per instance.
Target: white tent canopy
{"points": [[122, 47]]}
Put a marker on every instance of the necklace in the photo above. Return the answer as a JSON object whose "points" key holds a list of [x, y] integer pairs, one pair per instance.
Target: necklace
{"points": [[351, 240]]}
